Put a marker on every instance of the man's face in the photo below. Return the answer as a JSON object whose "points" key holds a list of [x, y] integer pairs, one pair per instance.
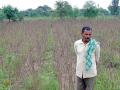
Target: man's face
{"points": [[86, 35]]}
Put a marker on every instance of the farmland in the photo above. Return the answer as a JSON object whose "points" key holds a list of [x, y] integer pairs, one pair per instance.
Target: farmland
{"points": [[39, 54]]}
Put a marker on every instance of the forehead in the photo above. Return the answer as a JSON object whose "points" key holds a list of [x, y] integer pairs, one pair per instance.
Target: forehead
{"points": [[87, 32]]}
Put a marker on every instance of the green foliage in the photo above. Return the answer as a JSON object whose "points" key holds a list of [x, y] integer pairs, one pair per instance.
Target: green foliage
{"points": [[114, 8], [28, 83], [2, 74], [89, 4], [63, 8], [12, 13], [45, 79], [76, 12], [107, 79], [2, 87], [90, 10], [7, 68], [2, 16], [48, 82], [2, 51], [59, 9], [30, 13], [11, 62], [44, 10], [68, 9], [40, 11], [9, 12], [41, 81], [4, 84], [9, 59], [47, 75], [20, 16], [103, 12]]}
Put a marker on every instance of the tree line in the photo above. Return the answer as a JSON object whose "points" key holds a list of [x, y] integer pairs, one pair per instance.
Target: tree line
{"points": [[62, 9]]}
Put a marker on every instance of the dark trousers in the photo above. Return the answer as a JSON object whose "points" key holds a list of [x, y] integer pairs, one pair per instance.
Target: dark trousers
{"points": [[84, 83]]}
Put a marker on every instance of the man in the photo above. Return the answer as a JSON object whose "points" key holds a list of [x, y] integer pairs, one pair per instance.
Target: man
{"points": [[88, 53]]}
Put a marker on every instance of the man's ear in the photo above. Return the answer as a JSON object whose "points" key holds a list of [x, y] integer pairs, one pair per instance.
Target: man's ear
{"points": [[81, 33]]}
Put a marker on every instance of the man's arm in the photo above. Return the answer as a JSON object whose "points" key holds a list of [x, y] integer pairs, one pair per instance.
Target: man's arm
{"points": [[97, 53], [75, 48]]}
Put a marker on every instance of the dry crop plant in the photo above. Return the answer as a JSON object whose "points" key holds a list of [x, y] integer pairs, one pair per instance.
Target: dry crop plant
{"points": [[28, 48], [63, 56], [22, 45], [104, 30]]}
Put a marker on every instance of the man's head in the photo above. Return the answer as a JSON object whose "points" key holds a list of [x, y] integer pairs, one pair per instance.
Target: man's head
{"points": [[86, 34]]}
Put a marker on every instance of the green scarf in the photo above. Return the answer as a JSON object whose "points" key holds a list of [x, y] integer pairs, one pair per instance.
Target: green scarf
{"points": [[89, 52]]}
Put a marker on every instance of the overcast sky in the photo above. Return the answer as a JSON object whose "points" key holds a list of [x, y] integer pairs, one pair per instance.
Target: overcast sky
{"points": [[26, 4]]}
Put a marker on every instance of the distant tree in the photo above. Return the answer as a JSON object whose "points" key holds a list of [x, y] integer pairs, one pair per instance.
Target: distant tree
{"points": [[47, 10], [15, 14], [30, 12], [91, 12], [68, 9], [82, 11], [63, 8], [2, 16], [89, 4], [11, 13], [20, 16], [39, 11], [103, 12], [76, 12], [90, 9], [114, 8], [60, 9], [44, 10]]}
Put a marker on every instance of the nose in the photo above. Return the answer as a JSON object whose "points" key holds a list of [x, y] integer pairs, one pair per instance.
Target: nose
{"points": [[88, 36]]}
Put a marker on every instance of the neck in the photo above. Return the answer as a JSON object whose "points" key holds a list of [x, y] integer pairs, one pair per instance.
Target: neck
{"points": [[85, 41]]}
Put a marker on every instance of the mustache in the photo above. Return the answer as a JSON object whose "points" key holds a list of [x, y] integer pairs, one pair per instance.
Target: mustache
{"points": [[87, 38]]}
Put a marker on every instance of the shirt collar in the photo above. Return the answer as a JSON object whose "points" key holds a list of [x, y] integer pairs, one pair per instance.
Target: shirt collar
{"points": [[81, 42]]}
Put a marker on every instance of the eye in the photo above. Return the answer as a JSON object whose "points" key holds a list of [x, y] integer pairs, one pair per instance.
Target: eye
{"points": [[86, 34]]}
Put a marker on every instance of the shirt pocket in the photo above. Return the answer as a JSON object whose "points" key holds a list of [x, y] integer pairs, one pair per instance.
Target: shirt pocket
{"points": [[80, 49]]}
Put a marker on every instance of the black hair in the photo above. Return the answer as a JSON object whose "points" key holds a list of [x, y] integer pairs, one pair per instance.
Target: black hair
{"points": [[86, 28]]}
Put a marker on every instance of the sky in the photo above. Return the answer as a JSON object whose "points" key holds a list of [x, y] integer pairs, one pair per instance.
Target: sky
{"points": [[26, 4]]}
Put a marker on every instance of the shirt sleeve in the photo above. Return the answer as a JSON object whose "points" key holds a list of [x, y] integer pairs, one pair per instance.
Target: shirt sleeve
{"points": [[97, 52], [75, 48]]}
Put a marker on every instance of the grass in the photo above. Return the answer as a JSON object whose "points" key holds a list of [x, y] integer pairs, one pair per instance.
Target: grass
{"points": [[40, 18], [45, 78], [39, 55], [47, 74]]}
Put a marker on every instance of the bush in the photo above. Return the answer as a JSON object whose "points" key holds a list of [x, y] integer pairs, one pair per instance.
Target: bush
{"points": [[2, 16], [91, 12]]}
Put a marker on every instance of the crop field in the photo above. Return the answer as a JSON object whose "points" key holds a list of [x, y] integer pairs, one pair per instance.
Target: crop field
{"points": [[39, 54]]}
